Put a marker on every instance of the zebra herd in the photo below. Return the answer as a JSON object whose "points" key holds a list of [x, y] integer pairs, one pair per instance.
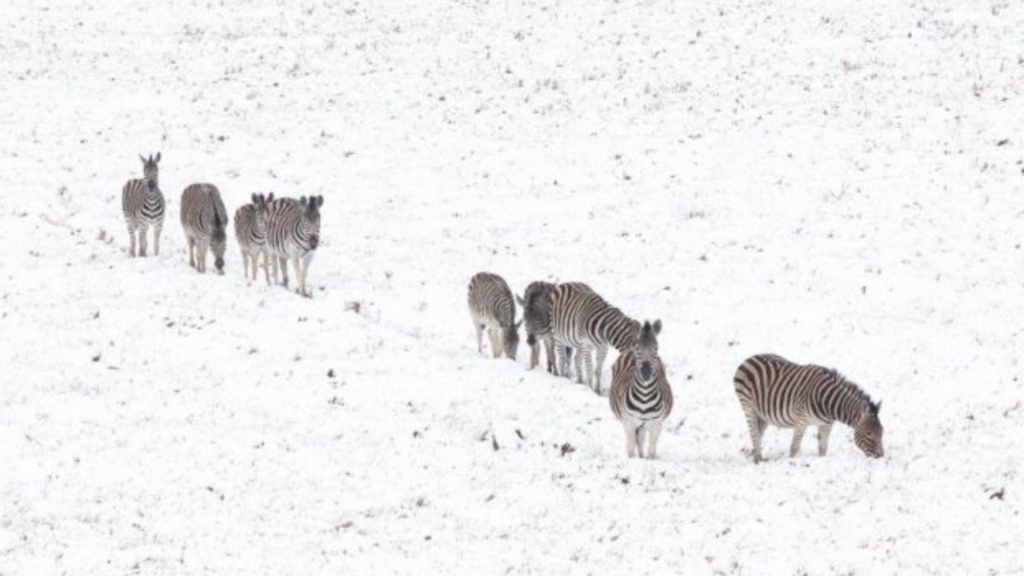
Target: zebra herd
{"points": [[571, 319], [281, 229]]}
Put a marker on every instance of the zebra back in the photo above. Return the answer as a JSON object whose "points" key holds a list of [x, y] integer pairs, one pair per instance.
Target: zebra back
{"points": [[579, 316]]}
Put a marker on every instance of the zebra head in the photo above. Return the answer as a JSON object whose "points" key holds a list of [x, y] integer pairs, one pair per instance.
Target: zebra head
{"points": [[646, 351], [868, 432], [218, 242], [510, 339], [311, 219], [150, 170], [259, 202]]}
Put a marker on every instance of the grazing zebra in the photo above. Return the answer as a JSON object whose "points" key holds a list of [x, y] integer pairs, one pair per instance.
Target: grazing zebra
{"points": [[537, 317], [773, 390], [251, 233], [641, 396], [293, 233], [492, 307], [143, 205], [205, 220], [582, 320]]}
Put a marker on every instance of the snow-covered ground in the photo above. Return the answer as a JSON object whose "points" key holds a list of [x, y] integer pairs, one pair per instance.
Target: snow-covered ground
{"points": [[837, 182]]}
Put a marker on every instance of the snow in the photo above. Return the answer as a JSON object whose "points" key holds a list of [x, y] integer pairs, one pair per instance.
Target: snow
{"points": [[825, 181]]}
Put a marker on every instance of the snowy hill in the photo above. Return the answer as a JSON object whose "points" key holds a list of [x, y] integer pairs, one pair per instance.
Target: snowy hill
{"points": [[839, 183]]}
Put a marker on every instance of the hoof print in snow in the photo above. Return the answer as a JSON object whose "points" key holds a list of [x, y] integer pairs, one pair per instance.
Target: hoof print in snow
{"points": [[624, 480], [330, 373], [520, 434], [353, 306], [997, 495], [494, 444], [567, 449]]}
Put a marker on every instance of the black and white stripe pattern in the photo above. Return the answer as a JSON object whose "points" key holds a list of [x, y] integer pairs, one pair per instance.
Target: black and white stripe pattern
{"points": [[640, 396], [293, 233], [143, 206], [205, 220], [492, 307], [773, 390], [582, 320], [251, 233], [536, 306]]}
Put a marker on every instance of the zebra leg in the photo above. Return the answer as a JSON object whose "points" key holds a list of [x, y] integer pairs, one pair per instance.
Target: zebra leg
{"points": [[191, 248], [201, 249], [131, 239], [798, 437], [631, 437], [534, 353], [156, 239], [495, 342], [306, 261], [602, 353], [756, 425], [823, 432], [143, 230], [283, 262], [549, 344], [245, 264], [479, 336], [652, 439], [588, 360], [297, 266], [561, 359]]}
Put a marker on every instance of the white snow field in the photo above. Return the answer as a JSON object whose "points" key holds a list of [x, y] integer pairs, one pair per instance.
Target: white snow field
{"points": [[837, 182]]}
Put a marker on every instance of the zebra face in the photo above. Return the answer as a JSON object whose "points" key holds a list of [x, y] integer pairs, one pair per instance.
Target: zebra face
{"points": [[646, 351], [311, 219], [510, 340], [150, 170], [868, 433]]}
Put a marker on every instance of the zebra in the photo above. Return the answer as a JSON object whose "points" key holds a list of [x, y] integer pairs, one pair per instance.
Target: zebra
{"points": [[251, 233], [640, 396], [773, 390], [492, 307], [293, 233], [143, 206], [205, 220], [582, 320], [537, 318]]}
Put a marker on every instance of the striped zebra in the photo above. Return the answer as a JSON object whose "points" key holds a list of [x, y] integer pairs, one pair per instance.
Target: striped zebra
{"points": [[537, 318], [492, 308], [640, 396], [773, 390], [251, 233], [582, 320], [205, 220], [293, 233], [143, 206]]}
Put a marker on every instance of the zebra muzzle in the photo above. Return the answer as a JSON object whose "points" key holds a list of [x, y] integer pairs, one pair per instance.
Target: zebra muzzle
{"points": [[646, 372], [314, 240]]}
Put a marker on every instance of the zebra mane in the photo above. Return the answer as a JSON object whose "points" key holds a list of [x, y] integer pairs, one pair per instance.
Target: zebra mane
{"points": [[842, 382]]}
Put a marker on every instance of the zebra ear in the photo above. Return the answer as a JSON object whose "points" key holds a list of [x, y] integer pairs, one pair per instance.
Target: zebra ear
{"points": [[255, 199], [319, 201], [877, 407], [157, 156], [520, 300], [303, 201], [656, 327], [270, 197], [143, 158]]}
